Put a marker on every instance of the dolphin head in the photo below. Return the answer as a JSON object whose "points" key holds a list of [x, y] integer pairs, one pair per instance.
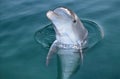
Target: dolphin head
{"points": [[67, 25], [62, 18]]}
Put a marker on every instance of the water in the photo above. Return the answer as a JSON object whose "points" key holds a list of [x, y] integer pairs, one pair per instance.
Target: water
{"points": [[21, 57]]}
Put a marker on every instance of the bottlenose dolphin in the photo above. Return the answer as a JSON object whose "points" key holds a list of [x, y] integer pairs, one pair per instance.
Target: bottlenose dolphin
{"points": [[69, 30], [71, 37]]}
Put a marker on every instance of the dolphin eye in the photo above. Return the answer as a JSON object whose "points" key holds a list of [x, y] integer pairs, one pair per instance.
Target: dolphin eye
{"points": [[74, 21]]}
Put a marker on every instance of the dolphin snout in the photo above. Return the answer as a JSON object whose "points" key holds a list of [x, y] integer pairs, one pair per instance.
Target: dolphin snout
{"points": [[49, 14]]}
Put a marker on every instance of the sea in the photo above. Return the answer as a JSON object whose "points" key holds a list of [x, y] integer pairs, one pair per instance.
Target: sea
{"points": [[22, 57]]}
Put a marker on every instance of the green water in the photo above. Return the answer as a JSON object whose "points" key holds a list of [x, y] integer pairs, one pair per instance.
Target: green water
{"points": [[21, 57]]}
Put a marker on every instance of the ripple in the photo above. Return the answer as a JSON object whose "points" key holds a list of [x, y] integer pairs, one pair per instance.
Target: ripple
{"points": [[46, 35]]}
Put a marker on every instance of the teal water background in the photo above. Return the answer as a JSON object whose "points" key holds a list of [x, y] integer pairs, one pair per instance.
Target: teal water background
{"points": [[21, 57]]}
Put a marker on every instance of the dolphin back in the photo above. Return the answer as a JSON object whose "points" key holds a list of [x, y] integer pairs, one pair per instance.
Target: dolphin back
{"points": [[68, 62]]}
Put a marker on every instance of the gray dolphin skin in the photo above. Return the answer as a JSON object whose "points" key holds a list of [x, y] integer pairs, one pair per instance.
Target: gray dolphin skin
{"points": [[71, 38]]}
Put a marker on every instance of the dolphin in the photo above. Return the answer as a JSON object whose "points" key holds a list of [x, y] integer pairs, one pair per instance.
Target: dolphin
{"points": [[71, 38]]}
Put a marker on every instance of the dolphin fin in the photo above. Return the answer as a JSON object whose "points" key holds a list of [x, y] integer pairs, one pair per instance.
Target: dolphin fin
{"points": [[81, 52], [52, 50], [81, 56]]}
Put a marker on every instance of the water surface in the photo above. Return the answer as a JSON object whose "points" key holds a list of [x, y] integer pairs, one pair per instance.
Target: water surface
{"points": [[21, 57]]}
